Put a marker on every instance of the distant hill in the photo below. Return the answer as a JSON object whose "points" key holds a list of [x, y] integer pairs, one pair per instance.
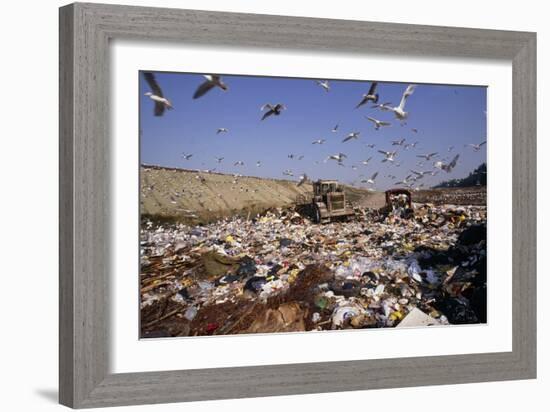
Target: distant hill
{"points": [[476, 178]]}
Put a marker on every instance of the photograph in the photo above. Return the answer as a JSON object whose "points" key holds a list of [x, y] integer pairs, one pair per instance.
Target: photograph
{"points": [[280, 204]]}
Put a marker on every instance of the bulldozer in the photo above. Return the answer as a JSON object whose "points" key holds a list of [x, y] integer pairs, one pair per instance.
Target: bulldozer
{"points": [[328, 202]]}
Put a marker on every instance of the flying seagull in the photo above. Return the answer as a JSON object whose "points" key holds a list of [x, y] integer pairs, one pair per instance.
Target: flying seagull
{"points": [[414, 130], [222, 130], [378, 123], [212, 80], [398, 142], [366, 162], [238, 163], [338, 157], [389, 156], [427, 156], [352, 135], [411, 145], [218, 159], [324, 84], [334, 129], [288, 172], [273, 109], [372, 178], [371, 145], [318, 141], [447, 167], [399, 111], [161, 102], [403, 182], [258, 163], [421, 173], [370, 96], [187, 156], [477, 147]]}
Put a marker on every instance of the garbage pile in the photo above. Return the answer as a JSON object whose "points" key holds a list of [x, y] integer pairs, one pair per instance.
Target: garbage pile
{"points": [[282, 273]]}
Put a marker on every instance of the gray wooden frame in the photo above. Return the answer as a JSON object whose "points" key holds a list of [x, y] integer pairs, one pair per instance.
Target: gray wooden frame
{"points": [[85, 31]]}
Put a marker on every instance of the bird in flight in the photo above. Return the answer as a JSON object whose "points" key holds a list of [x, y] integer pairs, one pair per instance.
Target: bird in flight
{"points": [[371, 145], [421, 174], [427, 156], [389, 156], [399, 111], [371, 96], [447, 167], [334, 129], [187, 156], [324, 84], [161, 102], [318, 141], [403, 182], [398, 142], [222, 130], [372, 178], [303, 179], [352, 135], [288, 172], [366, 162], [477, 147], [238, 163], [338, 157], [378, 123], [212, 80], [273, 109]]}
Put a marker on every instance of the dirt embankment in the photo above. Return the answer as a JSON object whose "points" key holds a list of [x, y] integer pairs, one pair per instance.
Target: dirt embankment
{"points": [[199, 197]]}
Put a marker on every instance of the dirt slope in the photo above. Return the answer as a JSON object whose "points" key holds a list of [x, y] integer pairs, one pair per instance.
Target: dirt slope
{"points": [[190, 196]]}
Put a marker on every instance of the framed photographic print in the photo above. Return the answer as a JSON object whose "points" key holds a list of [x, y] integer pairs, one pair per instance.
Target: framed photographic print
{"points": [[286, 201]]}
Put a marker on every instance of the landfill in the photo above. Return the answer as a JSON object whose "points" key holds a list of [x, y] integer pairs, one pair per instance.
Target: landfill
{"points": [[280, 272]]}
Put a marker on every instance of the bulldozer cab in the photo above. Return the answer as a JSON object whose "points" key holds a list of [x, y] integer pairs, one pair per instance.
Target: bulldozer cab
{"points": [[322, 187]]}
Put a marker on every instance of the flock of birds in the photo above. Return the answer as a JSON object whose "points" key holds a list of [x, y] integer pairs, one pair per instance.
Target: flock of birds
{"points": [[411, 180]]}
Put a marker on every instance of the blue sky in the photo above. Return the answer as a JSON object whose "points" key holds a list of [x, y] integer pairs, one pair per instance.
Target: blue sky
{"points": [[443, 115]]}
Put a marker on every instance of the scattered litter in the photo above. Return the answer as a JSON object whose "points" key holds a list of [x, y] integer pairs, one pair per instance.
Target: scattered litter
{"points": [[279, 272]]}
